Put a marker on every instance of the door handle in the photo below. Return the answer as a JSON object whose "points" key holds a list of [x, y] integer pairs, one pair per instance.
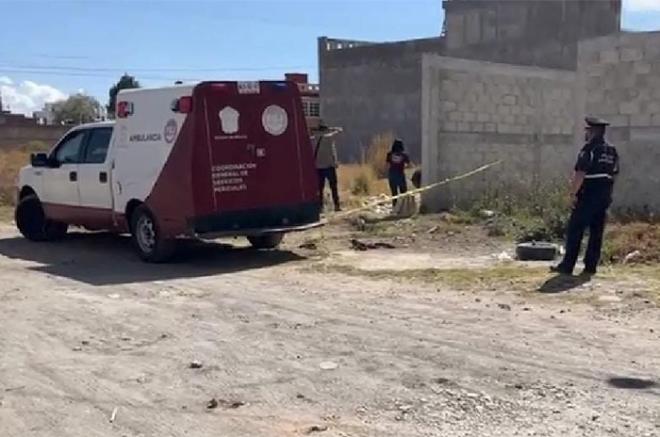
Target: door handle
{"points": [[103, 177], [73, 176]]}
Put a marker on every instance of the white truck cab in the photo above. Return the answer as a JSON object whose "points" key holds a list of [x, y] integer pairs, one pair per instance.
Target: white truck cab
{"points": [[213, 159]]}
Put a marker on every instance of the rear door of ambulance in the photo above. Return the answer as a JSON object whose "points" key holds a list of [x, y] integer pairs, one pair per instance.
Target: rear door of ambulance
{"points": [[257, 143]]}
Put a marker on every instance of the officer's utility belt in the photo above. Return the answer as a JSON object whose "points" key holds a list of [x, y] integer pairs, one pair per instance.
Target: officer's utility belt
{"points": [[598, 176]]}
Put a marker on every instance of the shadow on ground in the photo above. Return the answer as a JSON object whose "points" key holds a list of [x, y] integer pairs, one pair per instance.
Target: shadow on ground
{"points": [[632, 383], [107, 259], [561, 283]]}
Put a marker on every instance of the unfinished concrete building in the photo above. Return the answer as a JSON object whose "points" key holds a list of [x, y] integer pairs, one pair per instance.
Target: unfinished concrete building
{"points": [[370, 88], [509, 80]]}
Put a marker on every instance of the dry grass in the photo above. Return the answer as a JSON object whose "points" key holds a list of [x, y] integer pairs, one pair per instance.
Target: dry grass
{"points": [[11, 161], [624, 239], [509, 277], [360, 180], [376, 154]]}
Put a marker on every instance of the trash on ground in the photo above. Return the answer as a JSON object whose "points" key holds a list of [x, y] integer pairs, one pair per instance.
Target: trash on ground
{"points": [[632, 256], [195, 364], [504, 256], [309, 245], [328, 365], [316, 428], [368, 245]]}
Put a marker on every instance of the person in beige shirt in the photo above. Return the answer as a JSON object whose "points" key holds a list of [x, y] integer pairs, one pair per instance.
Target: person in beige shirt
{"points": [[325, 155]]}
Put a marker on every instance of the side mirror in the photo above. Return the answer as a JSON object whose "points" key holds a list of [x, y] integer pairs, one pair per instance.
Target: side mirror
{"points": [[39, 160]]}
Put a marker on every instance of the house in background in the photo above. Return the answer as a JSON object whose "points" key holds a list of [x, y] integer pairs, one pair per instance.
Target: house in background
{"points": [[311, 99]]}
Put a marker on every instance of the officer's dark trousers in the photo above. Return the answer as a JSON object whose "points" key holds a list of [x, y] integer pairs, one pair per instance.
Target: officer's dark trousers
{"points": [[329, 174], [586, 215]]}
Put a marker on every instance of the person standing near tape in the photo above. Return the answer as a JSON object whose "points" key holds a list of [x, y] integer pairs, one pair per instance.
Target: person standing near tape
{"points": [[397, 160], [591, 196], [325, 155]]}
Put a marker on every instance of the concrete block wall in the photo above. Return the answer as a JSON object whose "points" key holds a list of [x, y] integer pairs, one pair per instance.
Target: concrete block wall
{"points": [[619, 78], [11, 136], [541, 33], [370, 89], [476, 112]]}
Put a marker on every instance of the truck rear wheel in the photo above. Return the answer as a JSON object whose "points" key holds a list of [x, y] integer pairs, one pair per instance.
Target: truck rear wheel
{"points": [[33, 224], [147, 239], [267, 241]]}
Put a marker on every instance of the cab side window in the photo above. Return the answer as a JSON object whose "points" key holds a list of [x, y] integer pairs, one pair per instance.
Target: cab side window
{"points": [[68, 151], [97, 145]]}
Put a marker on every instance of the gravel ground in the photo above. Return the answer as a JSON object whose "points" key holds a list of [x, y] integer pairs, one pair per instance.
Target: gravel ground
{"points": [[234, 342]]}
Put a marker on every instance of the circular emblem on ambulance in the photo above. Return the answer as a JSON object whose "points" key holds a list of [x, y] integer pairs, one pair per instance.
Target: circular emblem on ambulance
{"points": [[275, 120], [171, 128]]}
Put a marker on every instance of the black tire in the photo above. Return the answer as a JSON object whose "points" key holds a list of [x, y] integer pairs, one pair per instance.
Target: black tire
{"points": [[33, 224], [147, 238], [267, 241], [536, 251]]}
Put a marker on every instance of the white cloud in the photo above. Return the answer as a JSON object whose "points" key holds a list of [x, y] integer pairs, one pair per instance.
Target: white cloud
{"points": [[27, 96], [642, 5]]}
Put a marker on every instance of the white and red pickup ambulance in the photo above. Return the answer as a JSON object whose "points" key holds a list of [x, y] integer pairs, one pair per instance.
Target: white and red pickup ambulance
{"points": [[210, 160]]}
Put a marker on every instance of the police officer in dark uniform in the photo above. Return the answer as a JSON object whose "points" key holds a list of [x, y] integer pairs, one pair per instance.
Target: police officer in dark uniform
{"points": [[591, 196]]}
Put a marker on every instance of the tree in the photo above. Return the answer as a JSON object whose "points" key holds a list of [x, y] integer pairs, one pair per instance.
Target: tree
{"points": [[77, 109], [125, 82]]}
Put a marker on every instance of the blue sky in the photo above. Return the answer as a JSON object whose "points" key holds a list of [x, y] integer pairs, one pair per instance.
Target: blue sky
{"points": [[49, 49]]}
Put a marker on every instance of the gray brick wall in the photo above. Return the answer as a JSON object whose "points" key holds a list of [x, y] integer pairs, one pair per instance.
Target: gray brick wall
{"points": [[619, 76], [477, 112]]}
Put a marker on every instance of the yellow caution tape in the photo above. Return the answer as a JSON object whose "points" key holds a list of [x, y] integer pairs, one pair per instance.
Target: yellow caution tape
{"points": [[388, 199]]}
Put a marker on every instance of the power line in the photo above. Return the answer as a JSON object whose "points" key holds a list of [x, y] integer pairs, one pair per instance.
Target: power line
{"points": [[165, 69]]}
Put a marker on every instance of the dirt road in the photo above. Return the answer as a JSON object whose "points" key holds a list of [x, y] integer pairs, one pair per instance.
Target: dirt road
{"points": [[89, 334]]}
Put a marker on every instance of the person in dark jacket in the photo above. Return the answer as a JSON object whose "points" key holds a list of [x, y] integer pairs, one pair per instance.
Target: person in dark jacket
{"points": [[591, 195], [397, 160]]}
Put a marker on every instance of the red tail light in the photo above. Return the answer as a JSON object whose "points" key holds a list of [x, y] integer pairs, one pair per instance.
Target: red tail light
{"points": [[185, 104], [124, 109]]}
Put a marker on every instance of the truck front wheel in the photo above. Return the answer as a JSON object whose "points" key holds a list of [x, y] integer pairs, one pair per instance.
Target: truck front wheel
{"points": [[267, 241], [33, 224]]}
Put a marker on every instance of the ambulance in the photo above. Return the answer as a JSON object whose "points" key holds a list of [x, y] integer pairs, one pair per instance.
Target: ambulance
{"points": [[209, 160]]}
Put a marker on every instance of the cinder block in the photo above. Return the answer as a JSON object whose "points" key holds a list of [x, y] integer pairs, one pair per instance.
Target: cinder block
{"points": [[618, 120], [655, 119], [509, 99], [449, 126], [483, 117], [504, 128], [609, 56], [455, 116], [640, 120], [642, 67], [490, 127], [629, 54], [463, 127], [448, 106], [470, 117], [503, 110], [477, 127], [629, 108]]}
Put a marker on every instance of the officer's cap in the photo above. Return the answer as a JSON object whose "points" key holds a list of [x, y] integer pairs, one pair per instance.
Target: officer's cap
{"points": [[596, 122]]}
